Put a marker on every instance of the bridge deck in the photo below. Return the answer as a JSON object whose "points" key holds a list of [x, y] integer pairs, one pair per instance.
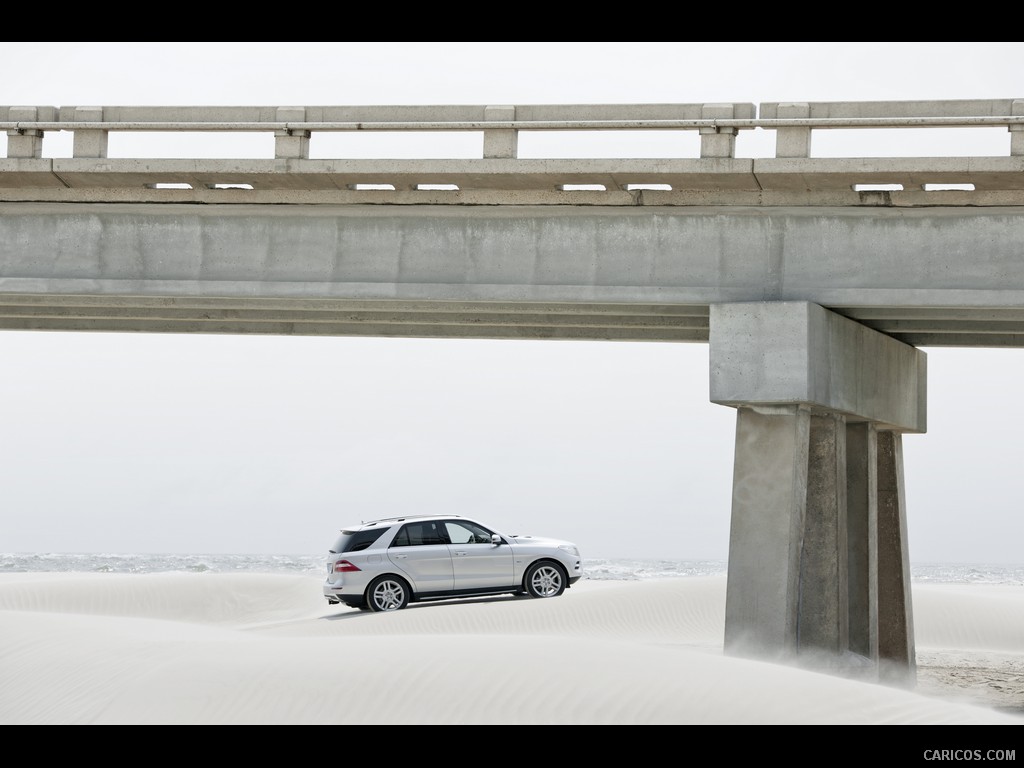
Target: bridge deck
{"points": [[963, 286], [996, 181]]}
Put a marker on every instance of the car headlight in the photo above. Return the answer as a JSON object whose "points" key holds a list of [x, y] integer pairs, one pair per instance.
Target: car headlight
{"points": [[570, 548]]}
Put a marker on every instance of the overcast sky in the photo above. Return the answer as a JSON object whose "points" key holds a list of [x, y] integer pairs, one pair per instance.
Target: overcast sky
{"points": [[219, 444]]}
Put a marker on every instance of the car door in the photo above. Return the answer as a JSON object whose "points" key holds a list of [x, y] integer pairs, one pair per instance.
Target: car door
{"points": [[420, 551], [478, 563]]}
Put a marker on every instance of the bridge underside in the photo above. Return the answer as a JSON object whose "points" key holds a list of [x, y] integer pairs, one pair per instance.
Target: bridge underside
{"points": [[924, 276], [813, 316], [404, 318]]}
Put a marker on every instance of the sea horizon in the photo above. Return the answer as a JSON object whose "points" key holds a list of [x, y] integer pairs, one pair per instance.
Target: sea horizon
{"points": [[607, 569]]}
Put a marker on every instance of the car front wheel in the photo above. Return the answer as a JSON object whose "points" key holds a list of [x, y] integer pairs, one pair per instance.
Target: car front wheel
{"points": [[545, 580], [387, 593]]}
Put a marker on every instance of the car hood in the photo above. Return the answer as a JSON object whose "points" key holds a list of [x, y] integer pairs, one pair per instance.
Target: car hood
{"points": [[539, 541]]}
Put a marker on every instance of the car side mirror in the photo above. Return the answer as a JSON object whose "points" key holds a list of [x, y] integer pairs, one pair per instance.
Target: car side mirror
{"points": [[495, 539]]}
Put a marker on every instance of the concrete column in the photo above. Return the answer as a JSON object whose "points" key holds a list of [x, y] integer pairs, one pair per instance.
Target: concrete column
{"points": [[89, 142], [292, 144], [766, 535], [823, 614], [818, 566], [897, 656], [24, 143], [794, 141], [787, 594], [862, 537], [501, 142], [718, 142]]}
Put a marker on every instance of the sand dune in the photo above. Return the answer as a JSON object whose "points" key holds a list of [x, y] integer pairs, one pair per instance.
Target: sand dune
{"points": [[177, 648]]}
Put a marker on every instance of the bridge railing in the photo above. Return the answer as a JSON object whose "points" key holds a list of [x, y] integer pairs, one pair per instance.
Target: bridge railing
{"points": [[499, 174], [501, 125], [293, 126], [795, 121]]}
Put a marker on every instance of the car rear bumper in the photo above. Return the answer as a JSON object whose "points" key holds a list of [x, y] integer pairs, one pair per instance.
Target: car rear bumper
{"points": [[336, 594]]}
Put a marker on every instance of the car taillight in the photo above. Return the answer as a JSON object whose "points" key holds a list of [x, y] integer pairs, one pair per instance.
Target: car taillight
{"points": [[344, 566]]}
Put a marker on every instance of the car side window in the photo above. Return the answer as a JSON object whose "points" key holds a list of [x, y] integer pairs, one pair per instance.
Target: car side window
{"points": [[363, 540], [401, 538], [418, 535], [460, 532]]}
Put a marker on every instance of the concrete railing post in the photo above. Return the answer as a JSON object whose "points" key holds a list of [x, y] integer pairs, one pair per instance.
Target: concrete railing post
{"points": [[1017, 131], [794, 141], [24, 143], [501, 142], [291, 144], [717, 141], [89, 142]]}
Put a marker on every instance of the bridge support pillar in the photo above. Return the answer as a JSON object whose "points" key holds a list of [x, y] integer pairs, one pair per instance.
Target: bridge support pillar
{"points": [[818, 556], [895, 615]]}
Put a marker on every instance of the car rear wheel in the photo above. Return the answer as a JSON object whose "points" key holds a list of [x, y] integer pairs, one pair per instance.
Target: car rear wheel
{"points": [[387, 593], [545, 580]]}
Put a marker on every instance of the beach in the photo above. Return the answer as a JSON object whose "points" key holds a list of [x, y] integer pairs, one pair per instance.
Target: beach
{"points": [[227, 648]]}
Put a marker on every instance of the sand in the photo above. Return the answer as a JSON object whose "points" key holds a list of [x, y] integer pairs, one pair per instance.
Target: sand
{"points": [[223, 649]]}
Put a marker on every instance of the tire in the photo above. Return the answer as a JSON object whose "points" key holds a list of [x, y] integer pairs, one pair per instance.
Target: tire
{"points": [[387, 593], [545, 579]]}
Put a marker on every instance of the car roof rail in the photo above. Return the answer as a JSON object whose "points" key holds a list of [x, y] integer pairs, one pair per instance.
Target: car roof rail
{"points": [[404, 517]]}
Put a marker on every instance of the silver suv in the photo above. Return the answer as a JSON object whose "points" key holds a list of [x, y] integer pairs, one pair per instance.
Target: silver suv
{"points": [[387, 564]]}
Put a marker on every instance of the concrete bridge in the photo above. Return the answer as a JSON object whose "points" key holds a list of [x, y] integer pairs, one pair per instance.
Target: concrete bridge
{"points": [[813, 280]]}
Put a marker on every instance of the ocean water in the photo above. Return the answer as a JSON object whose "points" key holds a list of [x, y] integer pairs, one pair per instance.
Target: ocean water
{"points": [[597, 569]]}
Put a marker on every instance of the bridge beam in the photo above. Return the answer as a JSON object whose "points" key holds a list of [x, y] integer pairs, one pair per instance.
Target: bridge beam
{"points": [[818, 556]]}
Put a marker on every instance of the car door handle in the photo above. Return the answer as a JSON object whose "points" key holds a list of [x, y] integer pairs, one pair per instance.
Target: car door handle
{"points": [[461, 553], [400, 557]]}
